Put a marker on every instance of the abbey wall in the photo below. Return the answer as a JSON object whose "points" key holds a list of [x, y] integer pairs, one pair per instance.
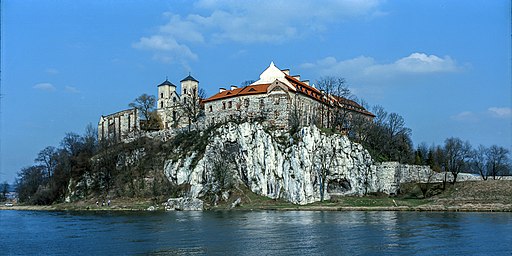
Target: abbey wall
{"points": [[119, 126]]}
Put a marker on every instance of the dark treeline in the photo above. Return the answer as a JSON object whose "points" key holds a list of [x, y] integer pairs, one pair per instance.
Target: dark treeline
{"points": [[82, 167], [47, 180]]}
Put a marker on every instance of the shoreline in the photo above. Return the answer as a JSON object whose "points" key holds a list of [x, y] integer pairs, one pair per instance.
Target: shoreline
{"points": [[423, 208]]}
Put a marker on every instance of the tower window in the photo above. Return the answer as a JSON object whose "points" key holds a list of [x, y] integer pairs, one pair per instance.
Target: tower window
{"points": [[184, 91], [161, 104], [161, 95]]}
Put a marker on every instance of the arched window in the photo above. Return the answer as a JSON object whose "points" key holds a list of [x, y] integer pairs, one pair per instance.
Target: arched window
{"points": [[184, 91], [161, 104]]}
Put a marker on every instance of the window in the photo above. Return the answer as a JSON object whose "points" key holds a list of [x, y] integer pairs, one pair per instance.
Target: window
{"points": [[184, 91], [174, 99], [161, 95], [223, 105], [211, 109], [161, 104], [194, 92], [174, 115], [246, 103], [262, 103], [229, 104]]}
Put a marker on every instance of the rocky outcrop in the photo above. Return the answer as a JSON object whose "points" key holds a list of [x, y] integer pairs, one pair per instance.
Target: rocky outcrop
{"points": [[301, 170], [183, 204]]}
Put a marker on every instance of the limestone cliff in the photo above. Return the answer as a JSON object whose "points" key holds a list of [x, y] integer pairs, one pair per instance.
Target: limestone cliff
{"points": [[300, 169]]}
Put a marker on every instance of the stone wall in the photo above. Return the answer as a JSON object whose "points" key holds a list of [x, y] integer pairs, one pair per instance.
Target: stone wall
{"points": [[273, 109], [119, 126]]}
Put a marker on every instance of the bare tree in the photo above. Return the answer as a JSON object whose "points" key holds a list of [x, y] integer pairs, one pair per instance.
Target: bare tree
{"points": [[479, 161], [48, 159], [497, 161], [191, 106], [4, 190], [338, 97], [457, 155], [425, 176], [145, 104]]}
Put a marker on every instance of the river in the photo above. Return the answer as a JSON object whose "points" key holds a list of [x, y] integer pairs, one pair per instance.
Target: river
{"points": [[255, 233]]}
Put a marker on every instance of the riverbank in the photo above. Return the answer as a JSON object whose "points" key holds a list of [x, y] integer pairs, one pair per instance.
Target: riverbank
{"points": [[470, 196]]}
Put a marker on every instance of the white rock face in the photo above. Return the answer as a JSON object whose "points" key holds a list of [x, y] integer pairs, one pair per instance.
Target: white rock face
{"points": [[289, 170], [278, 166]]}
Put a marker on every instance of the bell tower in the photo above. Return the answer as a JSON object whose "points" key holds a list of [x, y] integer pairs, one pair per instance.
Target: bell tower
{"points": [[165, 94], [189, 88]]}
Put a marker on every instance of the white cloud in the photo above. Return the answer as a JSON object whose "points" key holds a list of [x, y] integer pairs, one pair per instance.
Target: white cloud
{"points": [[44, 87], [167, 49], [71, 89], [465, 116], [500, 112], [423, 63], [415, 63], [259, 21]]}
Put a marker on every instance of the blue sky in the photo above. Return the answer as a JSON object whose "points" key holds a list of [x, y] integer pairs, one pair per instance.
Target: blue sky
{"points": [[445, 66]]}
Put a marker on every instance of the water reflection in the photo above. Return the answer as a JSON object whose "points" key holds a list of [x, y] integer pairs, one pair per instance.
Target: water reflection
{"points": [[256, 233]]}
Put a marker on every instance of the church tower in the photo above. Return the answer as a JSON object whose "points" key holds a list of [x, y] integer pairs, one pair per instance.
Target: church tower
{"points": [[166, 95], [189, 88]]}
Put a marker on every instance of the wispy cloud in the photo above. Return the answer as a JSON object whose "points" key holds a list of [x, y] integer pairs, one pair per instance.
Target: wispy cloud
{"points": [[415, 63], [490, 113], [71, 89], [259, 21], [44, 87], [503, 112], [465, 116]]}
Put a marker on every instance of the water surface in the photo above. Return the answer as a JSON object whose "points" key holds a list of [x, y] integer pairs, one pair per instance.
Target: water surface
{"points": [[255, 233]]}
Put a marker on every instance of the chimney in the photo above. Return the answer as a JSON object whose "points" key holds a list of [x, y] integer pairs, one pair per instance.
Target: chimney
{"points": [[297, 77], [222, 89], [286, 71], [306, 82], [234, 87]]}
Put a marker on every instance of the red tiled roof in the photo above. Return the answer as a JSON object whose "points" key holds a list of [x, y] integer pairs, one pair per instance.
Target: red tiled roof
{"points": [[300, 87], [248, 90]]}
